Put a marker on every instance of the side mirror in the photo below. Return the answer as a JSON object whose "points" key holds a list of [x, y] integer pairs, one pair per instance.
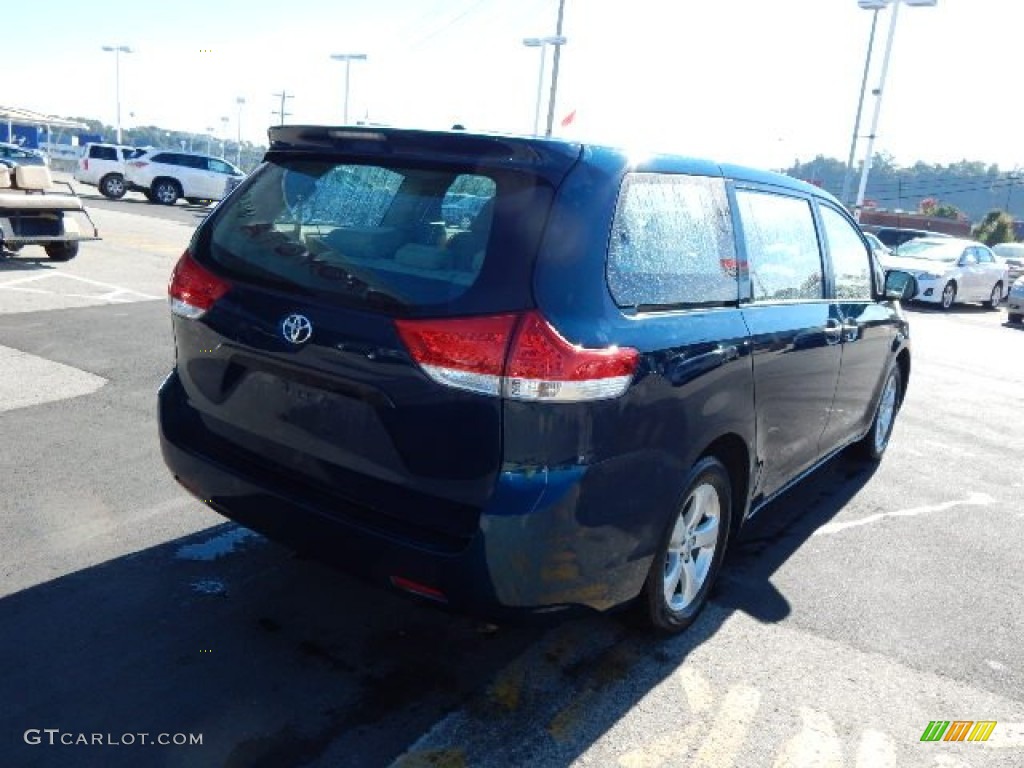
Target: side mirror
{"points": [[900, 285]]}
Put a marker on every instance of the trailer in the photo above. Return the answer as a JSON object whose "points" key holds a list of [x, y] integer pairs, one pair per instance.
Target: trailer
{"points": [[33, 212]]}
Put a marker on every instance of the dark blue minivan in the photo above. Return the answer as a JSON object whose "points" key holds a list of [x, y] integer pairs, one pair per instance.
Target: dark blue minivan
{"points": [[574, 399]]}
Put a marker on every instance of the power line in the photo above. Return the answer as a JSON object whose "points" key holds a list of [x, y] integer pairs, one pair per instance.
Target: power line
{"points": [[281, 112], [448, 25]]}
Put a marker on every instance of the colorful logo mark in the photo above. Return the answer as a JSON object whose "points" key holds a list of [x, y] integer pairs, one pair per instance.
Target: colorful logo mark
{"points": [[958, 730]]}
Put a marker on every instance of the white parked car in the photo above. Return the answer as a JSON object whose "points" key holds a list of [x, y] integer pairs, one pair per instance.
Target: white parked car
{"points": [[165, 176], [102, 166], [1015, 302], [951, 271]]}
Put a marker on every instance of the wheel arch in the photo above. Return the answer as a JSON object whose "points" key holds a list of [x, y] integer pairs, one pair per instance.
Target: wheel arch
{"points": [[903, 361], [733, 452]]}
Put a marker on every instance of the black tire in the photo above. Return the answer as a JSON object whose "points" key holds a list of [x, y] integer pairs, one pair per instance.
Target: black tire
{"points": [[872, 446], [61, 251], [14, 248], [112, 186], [707, 486], [1012, 318], [948, 296], [148, 194], [166, 191], [996, 296]]}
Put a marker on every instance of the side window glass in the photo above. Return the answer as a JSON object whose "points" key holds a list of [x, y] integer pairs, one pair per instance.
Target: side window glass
{"points": [[850, 260], [984, 256], [672, 242], [968, 258], [164, 157], [219, 166], [782, 246]]}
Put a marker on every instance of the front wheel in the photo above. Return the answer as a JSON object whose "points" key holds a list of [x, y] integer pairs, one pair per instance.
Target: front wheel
{"points": [[995, 297], [948, 295], [874, 443], [1012, 318], [61, 251], [692, 549], [166, 192]]}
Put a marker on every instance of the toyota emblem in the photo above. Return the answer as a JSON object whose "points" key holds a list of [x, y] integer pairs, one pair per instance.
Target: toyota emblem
{"points": [[297, 329]]}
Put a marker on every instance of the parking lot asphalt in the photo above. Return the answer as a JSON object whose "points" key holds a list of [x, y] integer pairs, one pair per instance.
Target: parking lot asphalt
{"points": [[853, 611]]}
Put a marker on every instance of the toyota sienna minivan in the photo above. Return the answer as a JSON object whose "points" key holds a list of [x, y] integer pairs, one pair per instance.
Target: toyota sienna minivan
{"points": [[573, 400]]}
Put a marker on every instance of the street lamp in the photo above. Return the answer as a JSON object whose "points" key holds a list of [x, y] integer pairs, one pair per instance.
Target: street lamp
{"points": [[348, 58], [224, 141], [848, 175], [240, 101], [876, 5], [117, 50], [209, 139], [542, 43]]}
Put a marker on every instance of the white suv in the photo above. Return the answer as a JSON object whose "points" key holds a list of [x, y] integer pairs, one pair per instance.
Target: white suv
{"points": [[165, 176], [102, 166]]}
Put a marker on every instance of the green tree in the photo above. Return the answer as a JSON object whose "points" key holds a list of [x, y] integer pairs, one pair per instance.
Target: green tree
{"points": [[995, 228]]}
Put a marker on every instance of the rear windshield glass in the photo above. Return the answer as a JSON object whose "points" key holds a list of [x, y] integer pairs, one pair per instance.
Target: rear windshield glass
{"points": [[370, 234]]}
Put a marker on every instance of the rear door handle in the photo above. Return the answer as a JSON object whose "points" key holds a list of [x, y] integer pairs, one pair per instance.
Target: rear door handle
{"points": [[833, 331]]}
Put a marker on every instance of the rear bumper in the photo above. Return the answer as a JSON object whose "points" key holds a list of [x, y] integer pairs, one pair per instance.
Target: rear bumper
{"points": [[530, 555]]}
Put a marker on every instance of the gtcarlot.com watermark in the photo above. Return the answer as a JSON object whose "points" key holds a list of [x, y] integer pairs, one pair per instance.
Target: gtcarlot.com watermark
{"points": [[55, 736]]}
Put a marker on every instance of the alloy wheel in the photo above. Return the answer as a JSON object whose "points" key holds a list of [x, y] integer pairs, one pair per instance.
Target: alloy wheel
{"points": [[691, 548]]}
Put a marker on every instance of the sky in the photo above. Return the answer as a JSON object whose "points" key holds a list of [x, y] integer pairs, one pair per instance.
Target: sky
{"points": [[753, 82]]}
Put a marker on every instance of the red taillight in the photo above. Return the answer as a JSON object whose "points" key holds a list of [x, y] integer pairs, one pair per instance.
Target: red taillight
{"points": [[138, 164], [85, 163], [517, 356], [544, 366], [193, 289], [468, 353]]}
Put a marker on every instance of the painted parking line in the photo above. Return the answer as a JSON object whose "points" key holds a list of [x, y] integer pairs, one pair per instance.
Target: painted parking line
{"points": [[19, 284], [973, 499], [27, 380]]}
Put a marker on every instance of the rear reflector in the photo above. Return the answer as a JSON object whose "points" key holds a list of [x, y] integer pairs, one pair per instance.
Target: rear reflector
{"points": [[416, 588], [516, 356], [193, 289]]}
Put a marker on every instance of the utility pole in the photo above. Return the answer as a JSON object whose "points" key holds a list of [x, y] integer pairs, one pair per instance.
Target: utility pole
{"points": [[283, 96], [554, 69]]}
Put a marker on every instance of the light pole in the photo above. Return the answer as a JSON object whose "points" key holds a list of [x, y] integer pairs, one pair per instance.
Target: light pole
{"points": [[542, 43], [117, 50], [224, 141], [848, 175], [348, 58], [209, 139], [240, 101], [866, 168]]}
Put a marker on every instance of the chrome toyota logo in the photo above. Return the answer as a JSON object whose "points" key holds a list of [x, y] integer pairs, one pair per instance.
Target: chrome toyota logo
{"points": [[297, 329]]}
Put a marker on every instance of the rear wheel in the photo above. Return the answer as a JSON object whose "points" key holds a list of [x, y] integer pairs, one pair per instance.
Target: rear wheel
{"points": [[995, 297], [112, 186], [61, 251], [874, 443], [948, 295], [691, 551], [166, 192], [1012, 318]]}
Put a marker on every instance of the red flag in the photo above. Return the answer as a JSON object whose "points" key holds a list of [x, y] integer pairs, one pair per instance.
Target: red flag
{"points": [[567, 120]]}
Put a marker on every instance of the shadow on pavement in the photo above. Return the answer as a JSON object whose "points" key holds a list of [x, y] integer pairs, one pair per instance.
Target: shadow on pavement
{"points": [[269, 657], [279, 661]]}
